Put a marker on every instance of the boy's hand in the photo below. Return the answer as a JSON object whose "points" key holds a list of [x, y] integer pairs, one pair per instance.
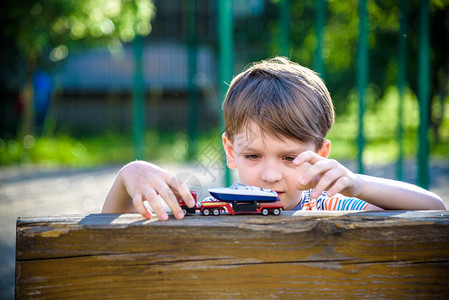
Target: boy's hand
{"points": [[323, 174], [144, 181]]}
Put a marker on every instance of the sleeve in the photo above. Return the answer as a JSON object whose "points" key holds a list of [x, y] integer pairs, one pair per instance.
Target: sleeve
{"points": [[337, 202], [340, 202]]}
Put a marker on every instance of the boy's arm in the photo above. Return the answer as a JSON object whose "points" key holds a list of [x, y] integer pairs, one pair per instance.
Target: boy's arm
{"points": [[392, 194], [141, 181], [322, 174]]}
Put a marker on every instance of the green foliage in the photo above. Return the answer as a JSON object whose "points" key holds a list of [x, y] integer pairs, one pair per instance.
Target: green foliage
{"points": [[63, 150], [54, 26], [381, 129], [340, 43]]}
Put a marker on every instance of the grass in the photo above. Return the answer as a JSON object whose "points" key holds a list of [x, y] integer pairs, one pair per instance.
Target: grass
{"points": [[109, 148]]}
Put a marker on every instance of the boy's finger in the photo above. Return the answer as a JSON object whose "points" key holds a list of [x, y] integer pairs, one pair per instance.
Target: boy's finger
{"points": [[307, 156], [169, 197], [316, 170], [185, 194], [300, 171], [338, 186], [181, 190], [325, 182], [138, 205], [152, 198], [310, 184]]}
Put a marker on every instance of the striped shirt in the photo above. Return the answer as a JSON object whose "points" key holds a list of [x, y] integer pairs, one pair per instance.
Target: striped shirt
{"points": [[323, 202]]}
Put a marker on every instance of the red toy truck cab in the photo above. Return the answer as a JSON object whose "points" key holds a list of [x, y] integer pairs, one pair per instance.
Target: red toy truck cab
{"points": [[185, 209]]}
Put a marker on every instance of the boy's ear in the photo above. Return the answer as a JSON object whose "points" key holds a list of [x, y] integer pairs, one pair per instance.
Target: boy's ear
{"points": [[325, 149], [229, 150]]}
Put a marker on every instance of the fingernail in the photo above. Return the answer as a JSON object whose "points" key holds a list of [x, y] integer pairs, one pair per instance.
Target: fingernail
{"points": [[163, 217], [302, 180], [148, 215], [180, 215]]}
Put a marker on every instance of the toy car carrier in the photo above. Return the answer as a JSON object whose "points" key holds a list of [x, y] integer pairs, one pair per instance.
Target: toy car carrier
{"points": [[237, 199]]}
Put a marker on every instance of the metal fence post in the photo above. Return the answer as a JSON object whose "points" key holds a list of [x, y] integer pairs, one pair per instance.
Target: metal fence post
{"points": [[138, 95], [226, 59], [423, 95], [402, 71], [362, 77], [284, 28], [320, 22], [192, 50]]}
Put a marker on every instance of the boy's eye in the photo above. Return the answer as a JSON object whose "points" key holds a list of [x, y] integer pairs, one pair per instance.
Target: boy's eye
{"points": [[289, 158], [252, 156]]}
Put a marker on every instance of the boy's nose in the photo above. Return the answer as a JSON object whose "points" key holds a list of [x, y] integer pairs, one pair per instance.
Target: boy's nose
{"points": [[270, 173]]}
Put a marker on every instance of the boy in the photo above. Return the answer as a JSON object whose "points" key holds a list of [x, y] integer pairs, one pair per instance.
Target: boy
{"points": [[277, 115]]}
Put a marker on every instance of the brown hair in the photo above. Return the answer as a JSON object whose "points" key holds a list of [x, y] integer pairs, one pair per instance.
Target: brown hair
{"points": [[283, 98]]}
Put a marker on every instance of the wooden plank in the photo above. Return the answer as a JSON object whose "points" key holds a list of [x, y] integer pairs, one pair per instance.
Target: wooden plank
{"points": [[393, 254]]}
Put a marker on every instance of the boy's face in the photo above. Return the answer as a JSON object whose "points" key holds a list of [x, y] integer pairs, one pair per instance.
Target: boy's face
{"points": [[267, 162]]}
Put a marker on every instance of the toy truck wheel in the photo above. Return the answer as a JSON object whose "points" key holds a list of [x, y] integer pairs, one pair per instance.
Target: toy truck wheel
{"points": [[216, 211], [206, 212], [184, 211], [276, 211], [265, 212]]}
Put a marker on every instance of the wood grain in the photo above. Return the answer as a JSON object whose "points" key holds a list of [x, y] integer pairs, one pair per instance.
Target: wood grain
{"points": [[394, 254]]}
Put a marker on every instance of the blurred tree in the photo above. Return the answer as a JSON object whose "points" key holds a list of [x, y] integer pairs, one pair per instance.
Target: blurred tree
{"points": [[339, 48], [45, 31], [439, 61]]}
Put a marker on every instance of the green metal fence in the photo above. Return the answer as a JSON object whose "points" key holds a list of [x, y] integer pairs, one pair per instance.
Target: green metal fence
{"points": [[226, 63]]}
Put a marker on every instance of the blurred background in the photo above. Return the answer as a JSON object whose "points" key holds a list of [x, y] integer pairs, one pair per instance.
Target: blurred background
{"points": [[88, 85], [72, 71]]}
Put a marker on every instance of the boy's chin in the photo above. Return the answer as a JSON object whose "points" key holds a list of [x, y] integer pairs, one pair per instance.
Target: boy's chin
{"points": [[287, 201]]}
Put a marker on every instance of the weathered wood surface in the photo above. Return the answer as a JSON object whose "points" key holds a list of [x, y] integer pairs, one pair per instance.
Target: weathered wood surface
{"points": [[331, 255]]}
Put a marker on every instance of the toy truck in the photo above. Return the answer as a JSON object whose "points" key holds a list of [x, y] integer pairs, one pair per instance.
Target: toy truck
{"points": [[237, 199], [215, 208]]}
